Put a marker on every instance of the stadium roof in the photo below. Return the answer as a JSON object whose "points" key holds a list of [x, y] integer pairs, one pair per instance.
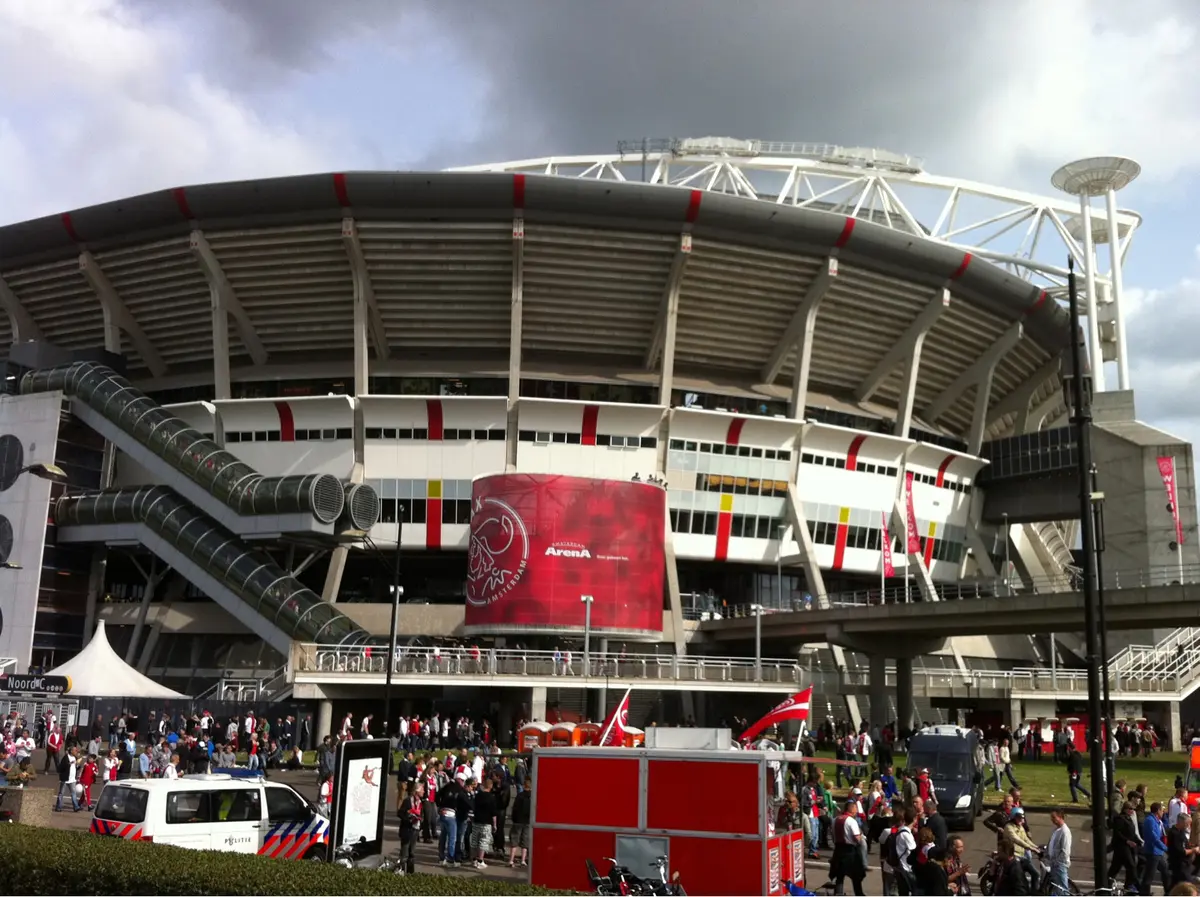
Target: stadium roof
{"points": [[597, 260]]}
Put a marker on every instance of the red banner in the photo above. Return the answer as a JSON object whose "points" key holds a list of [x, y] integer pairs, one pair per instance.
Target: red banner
{"points": [[540, 543], [889, 566], [796, 707], [911, 536], [1166, 467]]}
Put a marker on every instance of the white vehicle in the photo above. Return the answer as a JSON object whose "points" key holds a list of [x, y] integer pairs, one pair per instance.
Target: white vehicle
{"points": [[214, 812]]}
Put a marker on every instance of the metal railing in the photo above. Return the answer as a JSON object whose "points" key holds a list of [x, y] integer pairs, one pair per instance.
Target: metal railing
{"points": [[492, 663], [1113, 580]]}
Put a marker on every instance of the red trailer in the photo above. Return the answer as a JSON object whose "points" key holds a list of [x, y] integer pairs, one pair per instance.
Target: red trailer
{"points": [[708, 812]]}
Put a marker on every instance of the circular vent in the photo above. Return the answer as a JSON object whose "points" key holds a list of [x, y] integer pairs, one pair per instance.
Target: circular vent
{"points": [[6, 539], [362, 506], [327, 498], [12, 460]]}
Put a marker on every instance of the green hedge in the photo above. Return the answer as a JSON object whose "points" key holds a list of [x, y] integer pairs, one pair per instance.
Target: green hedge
{"points": [[51, 861]]}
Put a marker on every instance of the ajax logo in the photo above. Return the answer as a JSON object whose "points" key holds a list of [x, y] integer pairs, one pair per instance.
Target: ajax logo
{"points": [[498, 552]]}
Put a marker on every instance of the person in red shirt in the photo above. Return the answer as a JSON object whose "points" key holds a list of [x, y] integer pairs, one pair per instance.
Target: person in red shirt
{"points": [[87, 778], [54, 743]]}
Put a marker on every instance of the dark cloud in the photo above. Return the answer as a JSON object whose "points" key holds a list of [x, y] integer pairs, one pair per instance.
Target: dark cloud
{"points": [[578, 77]]}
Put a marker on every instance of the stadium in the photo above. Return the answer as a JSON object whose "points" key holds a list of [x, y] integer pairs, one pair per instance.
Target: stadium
{"points": [[833, 376]]}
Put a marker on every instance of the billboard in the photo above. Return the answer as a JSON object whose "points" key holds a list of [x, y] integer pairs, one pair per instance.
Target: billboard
{"points": [[539, 542]]}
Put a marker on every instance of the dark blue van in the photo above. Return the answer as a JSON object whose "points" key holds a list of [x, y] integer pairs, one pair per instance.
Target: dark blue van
{"points": [[954, 758]]}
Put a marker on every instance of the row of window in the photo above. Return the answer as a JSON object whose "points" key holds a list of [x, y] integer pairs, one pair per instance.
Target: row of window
{"points": [[704, 523], [713, 482], [416, 510], [739, 451], [840, 464], [331, 435], [546, 437], [870, 539], [450, 434]]}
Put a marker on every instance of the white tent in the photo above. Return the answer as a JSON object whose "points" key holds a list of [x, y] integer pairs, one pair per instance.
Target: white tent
{"points": [[97, 672]]}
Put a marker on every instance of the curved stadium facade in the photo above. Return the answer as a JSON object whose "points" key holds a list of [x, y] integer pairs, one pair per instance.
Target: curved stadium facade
{"points": [[778, 368]]}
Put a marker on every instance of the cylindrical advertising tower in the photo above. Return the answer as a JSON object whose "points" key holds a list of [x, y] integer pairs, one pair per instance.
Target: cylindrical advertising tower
{"points": [[541, 542]]}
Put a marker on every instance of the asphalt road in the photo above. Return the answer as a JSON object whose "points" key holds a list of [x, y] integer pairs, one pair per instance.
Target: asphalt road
{"points": [[981, 842]]}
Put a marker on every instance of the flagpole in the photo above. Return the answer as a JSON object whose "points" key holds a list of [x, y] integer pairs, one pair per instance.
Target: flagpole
{"points": [[612, 722]]}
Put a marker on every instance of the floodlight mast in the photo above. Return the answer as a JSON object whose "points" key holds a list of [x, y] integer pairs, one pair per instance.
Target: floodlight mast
{"points": [[1088, 178]]}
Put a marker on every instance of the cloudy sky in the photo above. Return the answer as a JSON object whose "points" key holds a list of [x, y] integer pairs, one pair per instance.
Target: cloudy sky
{"points": [[105, 98]]}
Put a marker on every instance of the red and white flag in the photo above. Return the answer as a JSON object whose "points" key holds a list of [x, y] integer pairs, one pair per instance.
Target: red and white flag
{"points": [[911, 536], [1166, 468], [796, 707], [889, 566], [612, 733]]}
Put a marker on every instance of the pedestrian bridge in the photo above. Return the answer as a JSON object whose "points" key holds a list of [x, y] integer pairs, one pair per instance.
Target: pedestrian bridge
{"points": [[337, 665], [1160, 597]]}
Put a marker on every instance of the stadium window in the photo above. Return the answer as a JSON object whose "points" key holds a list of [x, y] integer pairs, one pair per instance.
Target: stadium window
{"points": [[541, 437], [559, 438]]}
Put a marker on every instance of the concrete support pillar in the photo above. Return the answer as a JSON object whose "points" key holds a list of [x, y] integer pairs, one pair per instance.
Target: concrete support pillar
{"points": [[879, 696], [1016, 713], [324, 721], [333, 576], [602, 696], [152, 580], [1173, 727], [905, 709], [537, 703], [148, 649], [222, 387]]}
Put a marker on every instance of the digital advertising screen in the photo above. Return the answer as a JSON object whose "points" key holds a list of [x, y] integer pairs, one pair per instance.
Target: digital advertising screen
{"points": [[540, 542], [360, 793]]}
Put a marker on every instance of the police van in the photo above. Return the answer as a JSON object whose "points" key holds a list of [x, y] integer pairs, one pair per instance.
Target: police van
{"points": [[214, 812]]}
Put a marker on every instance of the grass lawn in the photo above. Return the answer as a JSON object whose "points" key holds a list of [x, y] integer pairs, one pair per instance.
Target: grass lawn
{"points": [[1044, 783]]}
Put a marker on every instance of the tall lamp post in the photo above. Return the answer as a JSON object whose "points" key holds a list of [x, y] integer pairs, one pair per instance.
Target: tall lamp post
{"points": [[397, 592], [51, 472], [757, 610], [587, 634], [1082, 418]]}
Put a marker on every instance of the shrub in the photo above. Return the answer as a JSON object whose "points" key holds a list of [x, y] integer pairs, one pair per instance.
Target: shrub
{"points": [[51, 861]]}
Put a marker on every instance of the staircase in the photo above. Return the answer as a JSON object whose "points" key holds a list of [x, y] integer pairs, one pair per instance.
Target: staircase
{"points": [[1053, 542], [1173, 665], [271, 686]]}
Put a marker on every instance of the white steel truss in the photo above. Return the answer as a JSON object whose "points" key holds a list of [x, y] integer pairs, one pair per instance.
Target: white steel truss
{"points": [[1030, 236]]}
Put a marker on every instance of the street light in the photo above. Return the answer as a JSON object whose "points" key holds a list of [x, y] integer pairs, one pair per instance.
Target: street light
{"points": [[587, 634], [11, 565], [1079, 403], [779, 566], [1007, 584], [51, 472], [757, 610]]}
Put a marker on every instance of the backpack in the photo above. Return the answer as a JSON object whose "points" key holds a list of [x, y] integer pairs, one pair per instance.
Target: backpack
{"points": [[891, 848], [806, 798]]}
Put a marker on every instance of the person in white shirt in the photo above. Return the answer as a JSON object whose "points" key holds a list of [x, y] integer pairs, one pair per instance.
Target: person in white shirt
{"points": [[1177, 806], [364, 727], [347, 726], [477, 768], [171, 770], [251, 724], [848, 860], [864, 748], [24, 746], [906, 850]]}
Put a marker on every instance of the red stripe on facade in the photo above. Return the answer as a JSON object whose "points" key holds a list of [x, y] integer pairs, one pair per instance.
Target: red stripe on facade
{"points": [[69, 225], [724, 528], [852, 454], [839, 545], [339, 189], [1041, 300], [928, 543], [518, 191], [433, 409], [693, 209], [847, 230], [287, 423], [591, 416], [962, 266], [433, 523], [942, 468], [181, 203], [734, 434]]}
